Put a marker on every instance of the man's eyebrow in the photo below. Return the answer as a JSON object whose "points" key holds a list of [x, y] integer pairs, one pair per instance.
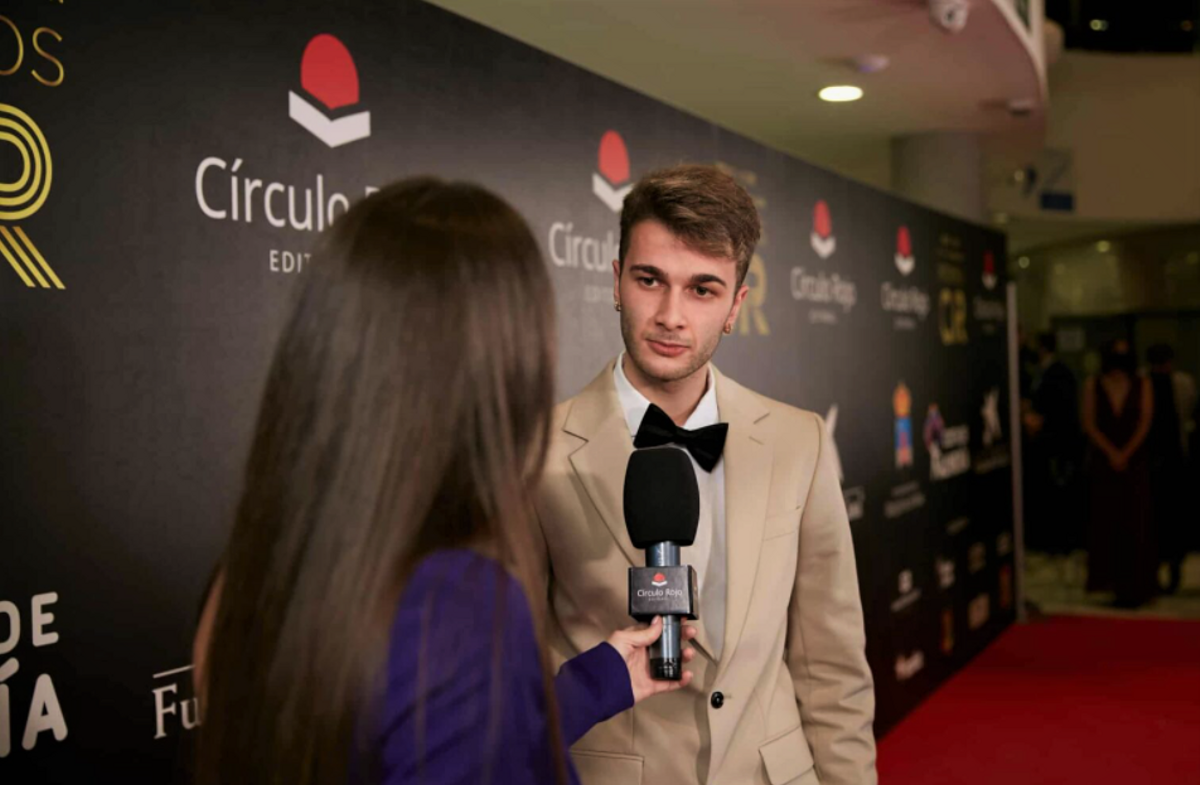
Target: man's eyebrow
{"points": [[648, 269], [706, 278]]}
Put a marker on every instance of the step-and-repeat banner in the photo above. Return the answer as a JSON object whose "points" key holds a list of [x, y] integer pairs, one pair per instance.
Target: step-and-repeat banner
{"points": [[164, 172]]}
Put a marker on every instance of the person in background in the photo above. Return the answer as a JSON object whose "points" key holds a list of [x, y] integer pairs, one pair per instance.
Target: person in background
{"points": [[1168, 445], [1118, 408], [1052, 424], [370, 621]]}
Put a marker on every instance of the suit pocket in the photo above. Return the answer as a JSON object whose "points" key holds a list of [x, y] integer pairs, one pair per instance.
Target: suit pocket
{"points": [[787, 757], [782, 524], [607, 768]]}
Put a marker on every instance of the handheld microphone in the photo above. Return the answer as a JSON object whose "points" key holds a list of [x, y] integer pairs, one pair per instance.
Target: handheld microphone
{"points": [[662, 510]]}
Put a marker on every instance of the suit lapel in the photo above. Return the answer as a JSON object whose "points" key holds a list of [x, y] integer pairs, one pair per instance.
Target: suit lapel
{"points": [[600, 463], [748, 461]]}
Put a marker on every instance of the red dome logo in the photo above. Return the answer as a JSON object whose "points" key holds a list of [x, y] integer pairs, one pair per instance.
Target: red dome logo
{"points": [[328, 74], [659, 580], [614, 158], [989, 270], [610, 181], [822, 239], [905, 262]]}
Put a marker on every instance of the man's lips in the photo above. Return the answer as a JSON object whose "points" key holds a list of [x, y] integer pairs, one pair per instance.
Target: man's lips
{"points": [[667, 349]]}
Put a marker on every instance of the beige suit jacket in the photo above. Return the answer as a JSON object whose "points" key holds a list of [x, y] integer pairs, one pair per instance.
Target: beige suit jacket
{"points": [[798, 695]]}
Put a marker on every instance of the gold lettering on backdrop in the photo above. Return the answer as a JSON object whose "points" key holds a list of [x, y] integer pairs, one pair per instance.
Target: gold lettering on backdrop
{"points": [[752, 319], [24, 195]]}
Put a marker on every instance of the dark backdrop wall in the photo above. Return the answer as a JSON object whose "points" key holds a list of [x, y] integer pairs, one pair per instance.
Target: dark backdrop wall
{"points": [[168, 169]]}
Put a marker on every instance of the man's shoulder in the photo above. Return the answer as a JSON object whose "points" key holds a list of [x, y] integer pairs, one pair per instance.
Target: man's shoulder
{"points": [[782, 419]]}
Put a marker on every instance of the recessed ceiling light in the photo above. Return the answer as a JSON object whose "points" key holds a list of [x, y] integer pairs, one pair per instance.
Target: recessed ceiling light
{"points": [[1023, 262], [1103, 246], [840, 93], [1098, 25]]}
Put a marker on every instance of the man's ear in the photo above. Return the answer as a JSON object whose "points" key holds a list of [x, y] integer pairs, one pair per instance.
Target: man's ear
{"points": [[616, 281], [738, 299]]}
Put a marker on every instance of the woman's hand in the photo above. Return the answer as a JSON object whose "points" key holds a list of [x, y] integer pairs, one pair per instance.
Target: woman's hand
{"points": [[633, 644]]}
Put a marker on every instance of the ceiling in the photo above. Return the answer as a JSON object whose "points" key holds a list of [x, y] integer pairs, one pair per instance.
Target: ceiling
{"points": [[755, 66]]}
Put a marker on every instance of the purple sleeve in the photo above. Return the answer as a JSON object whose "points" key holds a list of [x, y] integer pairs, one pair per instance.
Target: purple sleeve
{"points": [[465, 701], [591, 688]]}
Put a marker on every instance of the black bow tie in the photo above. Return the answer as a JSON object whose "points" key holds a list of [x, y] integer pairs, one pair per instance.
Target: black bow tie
{"points": [[705, 444]]}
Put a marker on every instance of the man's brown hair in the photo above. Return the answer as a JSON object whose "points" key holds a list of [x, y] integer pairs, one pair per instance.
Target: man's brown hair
{"points": [[700, 205]]}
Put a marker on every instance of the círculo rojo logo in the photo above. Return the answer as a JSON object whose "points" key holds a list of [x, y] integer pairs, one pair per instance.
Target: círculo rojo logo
{"points": [[23, 197]]}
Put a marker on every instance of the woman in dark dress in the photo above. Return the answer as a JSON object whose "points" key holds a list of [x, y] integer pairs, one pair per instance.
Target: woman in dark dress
{"points": [[370, 622], [1118, 408]]}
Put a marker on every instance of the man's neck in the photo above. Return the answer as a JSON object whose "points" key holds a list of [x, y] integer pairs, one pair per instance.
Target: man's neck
{"points": [[677, 398]]}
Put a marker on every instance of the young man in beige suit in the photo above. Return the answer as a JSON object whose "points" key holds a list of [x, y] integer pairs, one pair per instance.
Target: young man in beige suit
{"points": [[781, 691]]}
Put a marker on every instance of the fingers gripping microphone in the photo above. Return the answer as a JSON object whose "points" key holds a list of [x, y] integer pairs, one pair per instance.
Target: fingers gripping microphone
{"points": [[662, 510]]}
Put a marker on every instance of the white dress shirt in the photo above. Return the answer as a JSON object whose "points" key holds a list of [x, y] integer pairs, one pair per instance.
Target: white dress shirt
{"points": [[707, 553]]}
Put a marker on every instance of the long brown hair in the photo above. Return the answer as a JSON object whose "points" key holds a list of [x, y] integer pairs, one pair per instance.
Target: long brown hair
{"points": [[406, 410]]}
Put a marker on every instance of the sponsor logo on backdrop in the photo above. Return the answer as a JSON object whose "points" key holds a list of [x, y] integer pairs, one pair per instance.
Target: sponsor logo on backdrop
{"points": [[25, 193], [909, 304], [989, 311], [945, 573], [43, 719], [822, 239], [994, 453], [855, 497], [952, 298], [328, 75], [905, 261], [979, 611], [579, 243], [989, 271], [909, 666], [235, 190], [829, 296], [947, 630], [949, 450], [610, 181], [976, 557], [908, 593], [908, 496], [902, 407], [1006, 586], [175, 707]]}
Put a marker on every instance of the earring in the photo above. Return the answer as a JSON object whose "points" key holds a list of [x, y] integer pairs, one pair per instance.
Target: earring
{"points": [[617, 306], [728, 329]]}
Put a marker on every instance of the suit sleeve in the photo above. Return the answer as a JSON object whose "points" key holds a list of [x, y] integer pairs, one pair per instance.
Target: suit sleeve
{"points": [[826, 641]]}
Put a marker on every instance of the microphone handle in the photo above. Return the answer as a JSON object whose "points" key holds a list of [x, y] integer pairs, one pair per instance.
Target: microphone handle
{"points": [[666, 658]]}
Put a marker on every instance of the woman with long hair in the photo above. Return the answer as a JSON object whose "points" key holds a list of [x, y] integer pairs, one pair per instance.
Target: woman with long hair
{"points": [[1118, 409], [373, 619]]}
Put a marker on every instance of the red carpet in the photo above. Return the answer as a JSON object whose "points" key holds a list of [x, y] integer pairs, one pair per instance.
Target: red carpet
{"points": [[1066, 700]]}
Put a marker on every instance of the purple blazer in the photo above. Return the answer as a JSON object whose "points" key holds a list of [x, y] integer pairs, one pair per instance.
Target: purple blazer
{"points": [[463, 637]]}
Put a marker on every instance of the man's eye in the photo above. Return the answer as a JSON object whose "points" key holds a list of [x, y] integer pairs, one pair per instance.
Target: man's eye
{"points": [[703, 291], [647, 281]]}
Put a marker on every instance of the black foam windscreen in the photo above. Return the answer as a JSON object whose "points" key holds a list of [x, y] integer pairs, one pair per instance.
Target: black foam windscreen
{"points": [[662, 500]]}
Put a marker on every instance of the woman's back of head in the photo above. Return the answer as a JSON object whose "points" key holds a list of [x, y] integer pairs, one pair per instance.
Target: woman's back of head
{"points": [[405, 411]]}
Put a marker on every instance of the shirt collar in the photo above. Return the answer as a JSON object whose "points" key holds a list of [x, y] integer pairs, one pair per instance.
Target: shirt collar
{"points": [[634, 404]]}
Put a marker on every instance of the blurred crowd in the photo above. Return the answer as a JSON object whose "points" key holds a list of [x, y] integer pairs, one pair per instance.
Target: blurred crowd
{"points": [[1112, 466]]}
